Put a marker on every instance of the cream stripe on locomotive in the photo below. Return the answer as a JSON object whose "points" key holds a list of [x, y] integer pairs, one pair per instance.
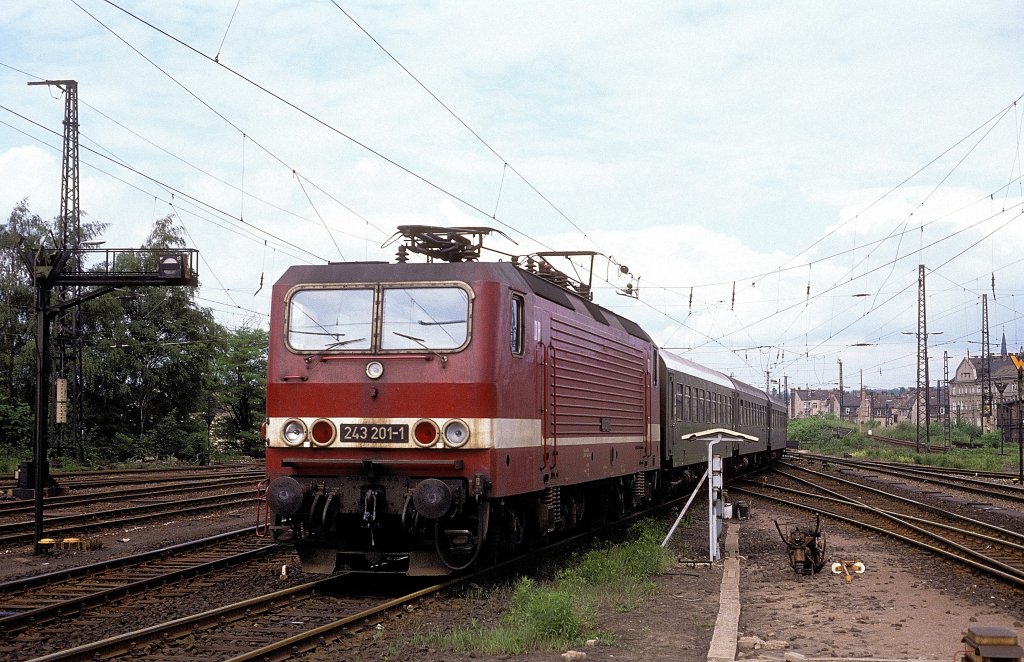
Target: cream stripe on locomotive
{"points": [[440, 433]]}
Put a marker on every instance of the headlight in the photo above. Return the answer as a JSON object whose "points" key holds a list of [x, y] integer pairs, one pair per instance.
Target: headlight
{"points": [[456, 433], [294, 433], [374, 369]]}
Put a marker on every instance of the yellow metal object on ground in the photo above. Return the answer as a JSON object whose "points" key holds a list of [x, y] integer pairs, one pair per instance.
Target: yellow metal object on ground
{"points": [[841, 567]]}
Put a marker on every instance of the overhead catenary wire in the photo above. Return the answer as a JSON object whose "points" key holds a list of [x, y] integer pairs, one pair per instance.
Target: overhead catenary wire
{"points": [[308, 114], [816, 283], [249, 194], [186, 88], [240, 231], [504, 161], [196, 50], [227, 29], [173, 189], [317, 212]]}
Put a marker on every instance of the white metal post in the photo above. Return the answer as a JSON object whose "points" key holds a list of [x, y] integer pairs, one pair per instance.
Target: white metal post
{"points": [[713, 553]]}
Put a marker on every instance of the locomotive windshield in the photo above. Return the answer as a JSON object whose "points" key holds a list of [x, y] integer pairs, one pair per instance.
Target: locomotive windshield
{"points": [[411, 318], [430, 317]]}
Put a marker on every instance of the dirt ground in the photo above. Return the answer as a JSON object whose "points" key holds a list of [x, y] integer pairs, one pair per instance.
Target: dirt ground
{"points": [[21, 562], [907, 605]]}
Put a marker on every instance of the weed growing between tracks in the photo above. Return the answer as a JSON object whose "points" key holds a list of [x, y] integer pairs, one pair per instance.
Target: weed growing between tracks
{"points": [[562, 613]]}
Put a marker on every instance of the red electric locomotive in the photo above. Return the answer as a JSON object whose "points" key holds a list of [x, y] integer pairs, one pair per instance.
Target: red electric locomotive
{"points": [[418, 413]]}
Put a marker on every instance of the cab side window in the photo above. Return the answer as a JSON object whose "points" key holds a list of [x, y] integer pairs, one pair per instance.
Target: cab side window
{"points": [[517, 324]]}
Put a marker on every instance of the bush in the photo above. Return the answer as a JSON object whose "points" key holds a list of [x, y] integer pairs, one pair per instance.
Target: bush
{"points": [[815, 430]]}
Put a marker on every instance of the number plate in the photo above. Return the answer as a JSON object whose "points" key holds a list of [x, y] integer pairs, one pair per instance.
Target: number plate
{"points": [[386, 434]]}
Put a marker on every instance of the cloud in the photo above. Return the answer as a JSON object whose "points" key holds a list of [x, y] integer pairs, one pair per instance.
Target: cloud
{"points": [[29, 172]]}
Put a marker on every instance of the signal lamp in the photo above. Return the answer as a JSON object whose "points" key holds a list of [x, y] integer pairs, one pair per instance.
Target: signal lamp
{"points": [[424, 433], [322, 432]]}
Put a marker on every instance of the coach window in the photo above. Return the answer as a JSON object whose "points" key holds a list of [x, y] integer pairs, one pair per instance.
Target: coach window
{"points": [[517, 324], [677, 403]]}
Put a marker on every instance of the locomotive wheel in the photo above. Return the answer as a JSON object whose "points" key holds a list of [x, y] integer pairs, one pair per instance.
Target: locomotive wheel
{"points": [[514, 527]]}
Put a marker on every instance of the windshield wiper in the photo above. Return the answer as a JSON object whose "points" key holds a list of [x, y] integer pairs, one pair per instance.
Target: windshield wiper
{"points": [[342, 343], [421, 343], [334, 345]]}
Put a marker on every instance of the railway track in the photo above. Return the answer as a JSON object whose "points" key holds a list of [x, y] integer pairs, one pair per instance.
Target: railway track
{"points": [[40, 598], [10, 508], [980, 545], [284, 622], [910, 443], [115, 477], [16, 533], [987, 485], [277, 625]]}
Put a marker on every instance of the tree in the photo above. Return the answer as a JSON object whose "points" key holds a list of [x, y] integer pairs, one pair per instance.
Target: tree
{"points": [[147, 364], [153, 361], [17, 350], [239, 376]]}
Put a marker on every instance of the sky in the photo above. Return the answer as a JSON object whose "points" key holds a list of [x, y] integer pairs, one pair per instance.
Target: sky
{"points": [[770, 174]]}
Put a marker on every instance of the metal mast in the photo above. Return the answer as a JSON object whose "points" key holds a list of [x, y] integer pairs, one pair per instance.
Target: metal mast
{"points": [[68, 331], [923, 410], [70, 214], [946, 426], [840, 388], [986, 365]]}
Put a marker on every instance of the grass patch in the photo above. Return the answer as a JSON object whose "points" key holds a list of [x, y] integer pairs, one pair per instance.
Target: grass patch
{"points": [[819, 435], [562, 613]]}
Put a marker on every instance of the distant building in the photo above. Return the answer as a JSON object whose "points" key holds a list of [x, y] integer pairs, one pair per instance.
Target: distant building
{"points": [[966, 389], [960, 399], [880, 407], [937, 402], [884, 407], [805, 403]]}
